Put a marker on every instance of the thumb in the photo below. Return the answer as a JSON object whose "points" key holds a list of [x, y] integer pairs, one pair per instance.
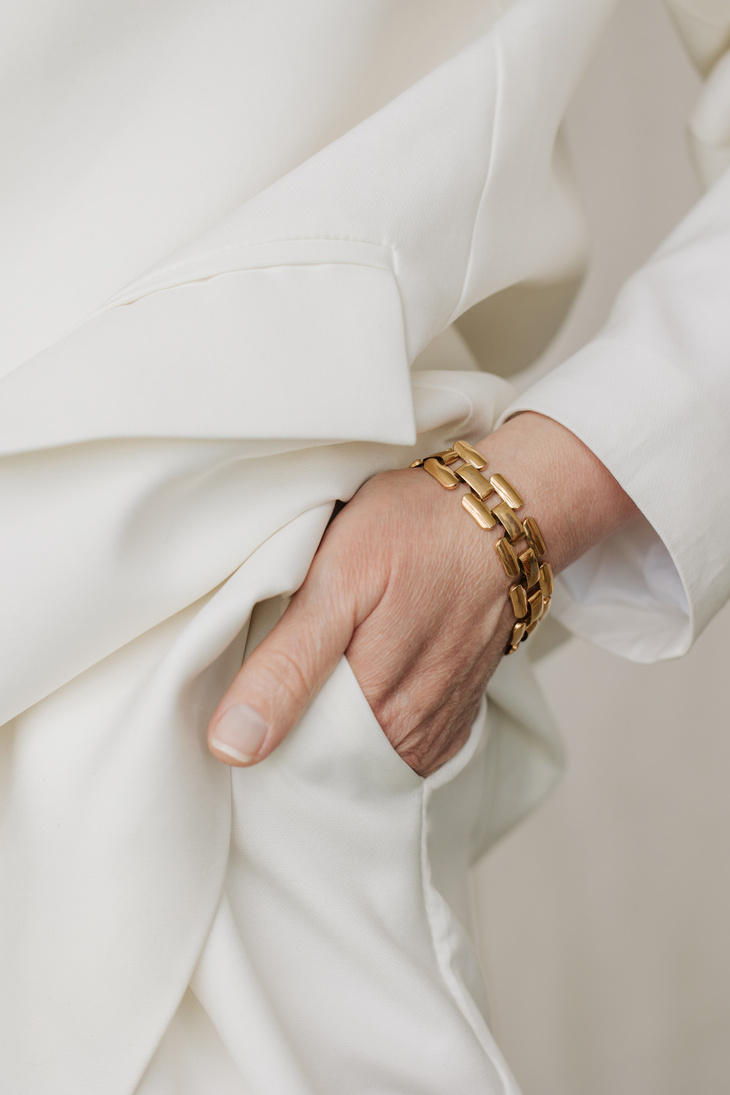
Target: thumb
{"points": [[276, 684]]}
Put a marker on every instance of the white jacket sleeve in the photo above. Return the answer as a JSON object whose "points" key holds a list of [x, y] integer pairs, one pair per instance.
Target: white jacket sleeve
{"points": [[651, 397], [295, 318], [333, 279]]}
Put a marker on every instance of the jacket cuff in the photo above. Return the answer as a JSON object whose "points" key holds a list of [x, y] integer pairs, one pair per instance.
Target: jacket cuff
{"points": [[646, 592], [303, 341]]}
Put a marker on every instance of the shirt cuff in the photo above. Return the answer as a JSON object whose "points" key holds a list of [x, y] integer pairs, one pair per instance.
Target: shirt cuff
{"points": [[636, 593]]}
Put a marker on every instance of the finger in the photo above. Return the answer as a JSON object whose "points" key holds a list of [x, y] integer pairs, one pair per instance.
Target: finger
{"points": [[277, 682]]}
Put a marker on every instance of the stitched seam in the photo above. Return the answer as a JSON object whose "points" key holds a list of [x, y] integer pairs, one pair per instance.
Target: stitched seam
{"points": [[270, 242], [451, 981], [144, 295]]}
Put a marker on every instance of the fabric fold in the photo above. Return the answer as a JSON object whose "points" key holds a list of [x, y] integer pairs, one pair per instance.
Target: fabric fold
{"points": [[664, 345]]}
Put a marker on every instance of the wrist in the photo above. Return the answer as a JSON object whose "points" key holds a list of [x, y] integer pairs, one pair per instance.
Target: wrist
{"points": [[567, 502], [572, 495]]}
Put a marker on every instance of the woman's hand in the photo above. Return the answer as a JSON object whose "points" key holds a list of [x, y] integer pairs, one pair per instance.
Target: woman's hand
{"points": [[415, 598], [411, 589]]}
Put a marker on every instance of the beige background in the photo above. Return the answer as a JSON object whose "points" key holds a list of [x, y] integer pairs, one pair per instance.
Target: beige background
{"points": [[606, 916]]}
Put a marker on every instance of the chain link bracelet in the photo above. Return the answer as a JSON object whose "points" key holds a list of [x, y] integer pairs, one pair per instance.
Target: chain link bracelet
{"points": [[530, 594]]}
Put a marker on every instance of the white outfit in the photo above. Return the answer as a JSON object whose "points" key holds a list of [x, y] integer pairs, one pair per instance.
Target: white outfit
{"points": [[299, 199]]}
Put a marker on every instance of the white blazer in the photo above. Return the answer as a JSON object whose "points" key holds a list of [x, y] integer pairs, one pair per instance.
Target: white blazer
{"points": [[245, 246]]}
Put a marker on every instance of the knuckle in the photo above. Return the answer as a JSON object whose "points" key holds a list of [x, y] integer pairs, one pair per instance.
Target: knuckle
{"points": [[426, 751], [417, 751], [282, 682]]}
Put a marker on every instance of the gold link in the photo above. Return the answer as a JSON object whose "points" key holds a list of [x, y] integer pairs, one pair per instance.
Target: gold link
{"points": [[508, 557], [475, 480], [476, 509], [518, 633], [530, 568], [530, 594], [441, 474], [534, 536], [506, 491], [505, 516], [470, 455], [538, 620], [546, 580], [536, 605], [518, 597], [531, 626]]}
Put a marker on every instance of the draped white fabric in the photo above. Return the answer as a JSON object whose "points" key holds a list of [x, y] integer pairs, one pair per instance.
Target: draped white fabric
{"points": [[229, 231]]}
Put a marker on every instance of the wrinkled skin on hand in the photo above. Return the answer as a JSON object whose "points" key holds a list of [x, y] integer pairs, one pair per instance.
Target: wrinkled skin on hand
{"points": [[410, 588]]}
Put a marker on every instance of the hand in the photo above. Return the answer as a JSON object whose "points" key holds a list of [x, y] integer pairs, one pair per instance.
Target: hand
{"points": [[411, 593], [410, 588]]}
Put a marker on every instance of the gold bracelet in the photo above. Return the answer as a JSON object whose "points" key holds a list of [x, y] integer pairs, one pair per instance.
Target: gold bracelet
{"points": [[530, 594]]}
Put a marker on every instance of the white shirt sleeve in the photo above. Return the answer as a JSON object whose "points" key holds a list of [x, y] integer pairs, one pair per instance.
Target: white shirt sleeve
{"points": [[650, 396]]}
